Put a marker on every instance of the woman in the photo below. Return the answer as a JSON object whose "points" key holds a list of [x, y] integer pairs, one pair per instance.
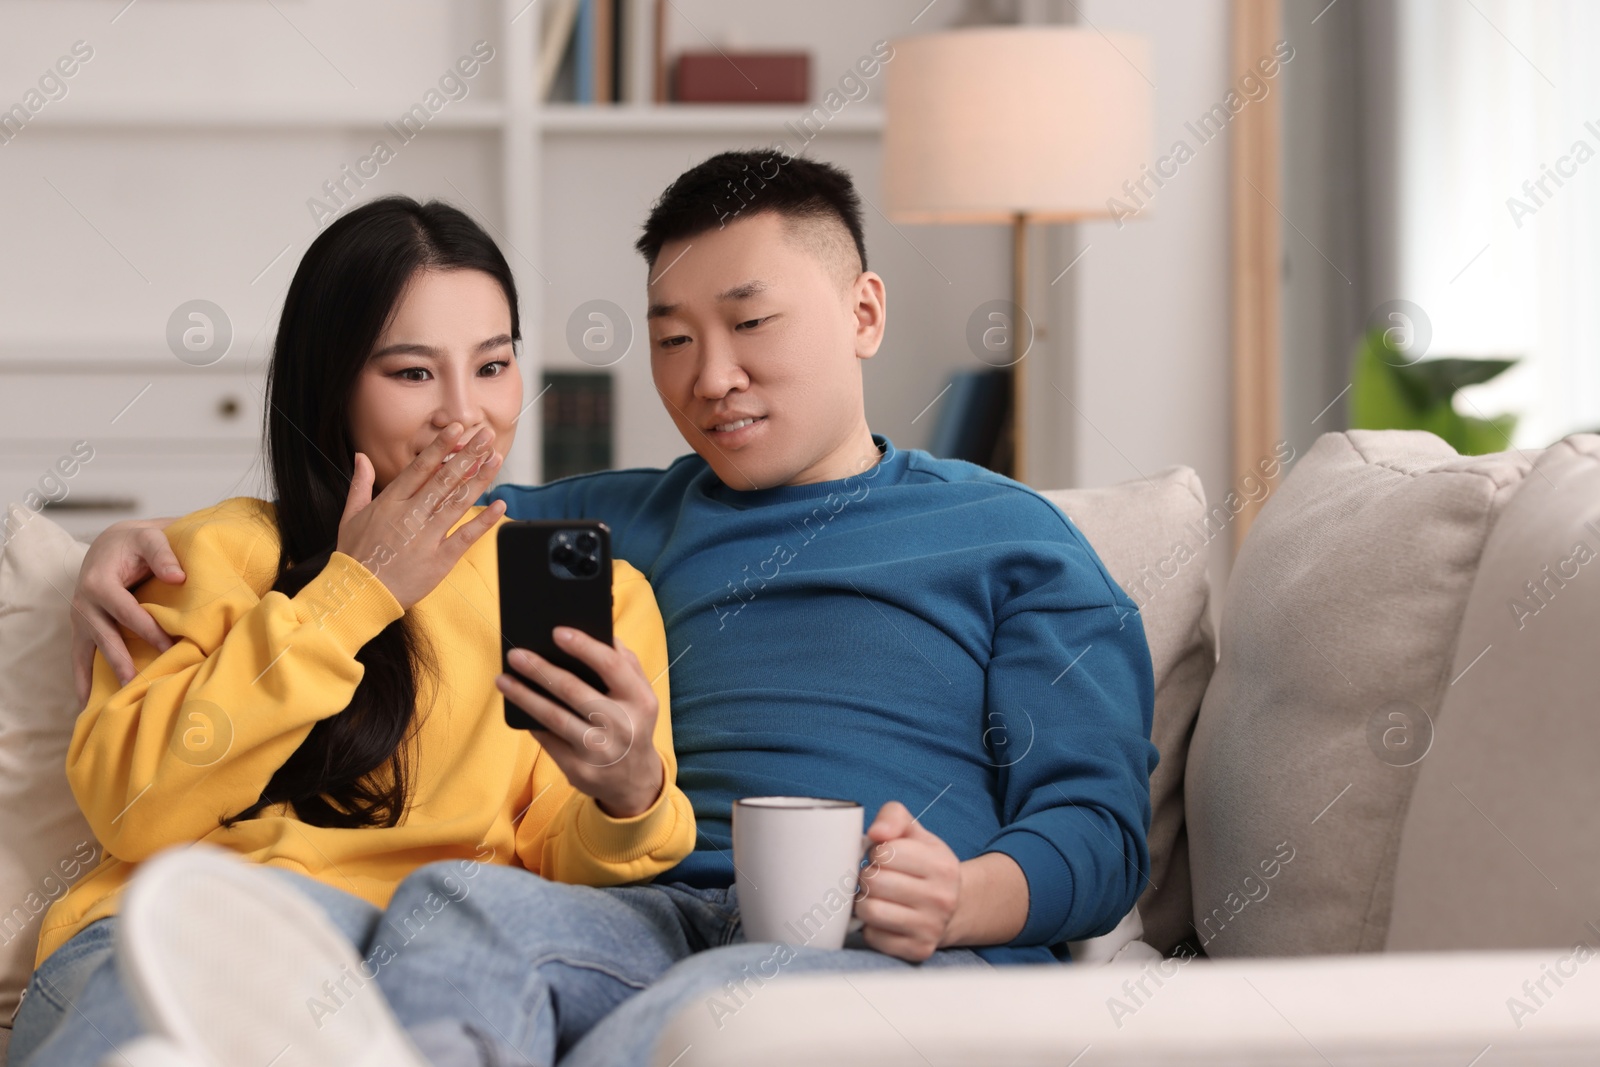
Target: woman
{"points": [[329, 707]]}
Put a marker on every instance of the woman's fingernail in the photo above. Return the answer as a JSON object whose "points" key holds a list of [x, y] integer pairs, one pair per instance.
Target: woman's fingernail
{"points": [[564, 635]]}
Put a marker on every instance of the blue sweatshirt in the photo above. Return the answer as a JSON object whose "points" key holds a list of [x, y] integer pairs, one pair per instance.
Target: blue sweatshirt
{"points": [[925, 631]]}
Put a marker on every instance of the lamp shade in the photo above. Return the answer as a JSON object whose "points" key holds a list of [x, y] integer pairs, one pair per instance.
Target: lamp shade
{"points": [[983, 124]]}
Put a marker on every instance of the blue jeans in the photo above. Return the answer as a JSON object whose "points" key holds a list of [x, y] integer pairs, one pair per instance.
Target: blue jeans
{"points": [[506, 968], [484, 966], [76, 1010]]}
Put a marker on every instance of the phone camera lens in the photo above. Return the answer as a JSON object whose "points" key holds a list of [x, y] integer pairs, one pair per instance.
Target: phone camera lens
{"points": [[587, 566], [563, 554], [588, 542]]}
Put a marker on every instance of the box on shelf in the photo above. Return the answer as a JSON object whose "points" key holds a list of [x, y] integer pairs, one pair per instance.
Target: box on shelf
{"points": [[742, 78]]}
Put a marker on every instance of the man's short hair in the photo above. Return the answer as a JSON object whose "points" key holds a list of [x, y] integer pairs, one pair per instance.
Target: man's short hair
{"points": [[817, 198]]}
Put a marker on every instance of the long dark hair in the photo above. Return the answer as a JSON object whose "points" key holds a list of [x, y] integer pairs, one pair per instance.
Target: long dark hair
{"points": [[351, 770]]}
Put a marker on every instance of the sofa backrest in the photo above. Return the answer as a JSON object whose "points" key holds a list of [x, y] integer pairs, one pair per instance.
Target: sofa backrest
{"points": [[47, 841], [1153, 534], [1500, 846]]}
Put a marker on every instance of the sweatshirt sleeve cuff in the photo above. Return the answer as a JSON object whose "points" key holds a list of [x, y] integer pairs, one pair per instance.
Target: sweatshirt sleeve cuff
{"points": [[348, 602], [1050, 884], [612, 840]]}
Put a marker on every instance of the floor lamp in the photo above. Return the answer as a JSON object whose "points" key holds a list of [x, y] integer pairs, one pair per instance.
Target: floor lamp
{"points": [[1015, 124]]}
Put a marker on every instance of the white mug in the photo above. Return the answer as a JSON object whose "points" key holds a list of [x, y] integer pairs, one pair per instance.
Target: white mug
{"points": [[796, 862]]}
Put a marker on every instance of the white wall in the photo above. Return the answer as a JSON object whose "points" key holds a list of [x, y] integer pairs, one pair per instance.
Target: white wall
{"points": [[1151, 344], [141, 220]]}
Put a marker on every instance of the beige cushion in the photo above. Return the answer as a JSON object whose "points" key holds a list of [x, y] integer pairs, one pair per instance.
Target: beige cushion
{"points": [[1337, 632], [47, 842], [1151, 533], [1501, 844]]}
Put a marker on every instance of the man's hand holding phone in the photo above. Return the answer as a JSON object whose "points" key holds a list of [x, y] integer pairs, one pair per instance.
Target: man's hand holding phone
{"points": [[607, 749]]}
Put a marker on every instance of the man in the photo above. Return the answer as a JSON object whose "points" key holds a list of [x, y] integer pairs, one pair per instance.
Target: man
{"points": [[844, 619]]}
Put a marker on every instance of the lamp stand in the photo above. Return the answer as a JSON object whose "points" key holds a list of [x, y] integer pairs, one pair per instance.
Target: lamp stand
{"points": [[1021, 335]]}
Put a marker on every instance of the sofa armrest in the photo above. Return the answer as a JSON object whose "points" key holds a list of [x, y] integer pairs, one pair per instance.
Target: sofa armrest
{"points": [[1411, 1009]]}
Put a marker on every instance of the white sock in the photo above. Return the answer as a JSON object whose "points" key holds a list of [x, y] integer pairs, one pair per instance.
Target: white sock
{"points": [[229, 966]]}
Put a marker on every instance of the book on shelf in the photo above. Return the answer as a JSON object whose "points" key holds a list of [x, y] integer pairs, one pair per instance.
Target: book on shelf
{"points": [[614, 52], [583, 52], [577, 432], [555, 34], [601, 51]]}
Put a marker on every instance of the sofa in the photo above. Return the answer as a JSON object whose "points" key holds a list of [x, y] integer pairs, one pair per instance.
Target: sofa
{"points": [[1376, 829], [1373, 833]]}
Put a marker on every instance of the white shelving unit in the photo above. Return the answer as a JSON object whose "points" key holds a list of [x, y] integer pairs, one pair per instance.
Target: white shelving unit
{"points": [[201, 115], [607, 120], [669, 119], [203, 443], [500, 154]]}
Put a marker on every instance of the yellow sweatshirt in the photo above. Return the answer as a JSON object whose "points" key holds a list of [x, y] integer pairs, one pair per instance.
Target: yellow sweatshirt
{"points": [[198, 734]]}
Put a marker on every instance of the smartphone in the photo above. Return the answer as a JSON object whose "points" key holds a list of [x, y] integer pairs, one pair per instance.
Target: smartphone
{"points": [[552, 573]]}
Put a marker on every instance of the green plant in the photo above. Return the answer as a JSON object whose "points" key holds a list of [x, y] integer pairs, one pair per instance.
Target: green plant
{"points": [[1389, 393]]}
